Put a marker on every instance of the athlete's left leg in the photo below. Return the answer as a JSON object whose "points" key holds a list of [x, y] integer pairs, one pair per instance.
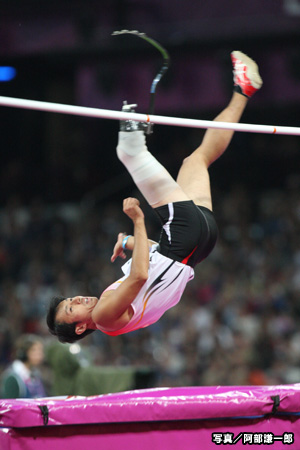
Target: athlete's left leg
{"points": [[193, 176], [153, 180]]}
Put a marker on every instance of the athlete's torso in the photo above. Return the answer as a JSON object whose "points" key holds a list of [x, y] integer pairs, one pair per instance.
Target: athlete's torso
{"points": [[164, 287]]}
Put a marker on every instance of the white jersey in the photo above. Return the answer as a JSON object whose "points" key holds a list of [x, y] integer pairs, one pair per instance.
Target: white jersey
{"points": [[163, 289]]}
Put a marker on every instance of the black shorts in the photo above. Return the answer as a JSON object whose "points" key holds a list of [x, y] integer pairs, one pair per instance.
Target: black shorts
{"points": [[189, 232]]}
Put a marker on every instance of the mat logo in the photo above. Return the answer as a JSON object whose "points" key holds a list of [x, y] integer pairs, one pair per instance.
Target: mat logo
{"points": [[252, 438]]}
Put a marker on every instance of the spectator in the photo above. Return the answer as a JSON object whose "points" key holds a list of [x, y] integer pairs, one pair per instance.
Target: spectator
{"points": [[22, 378]]}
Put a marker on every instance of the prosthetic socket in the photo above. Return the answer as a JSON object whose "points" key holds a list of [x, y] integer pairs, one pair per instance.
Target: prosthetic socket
{"points": [[152, 179]]}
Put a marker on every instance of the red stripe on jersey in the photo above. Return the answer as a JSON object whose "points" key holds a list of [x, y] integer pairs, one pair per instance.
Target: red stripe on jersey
{"points": [[185, 260]]}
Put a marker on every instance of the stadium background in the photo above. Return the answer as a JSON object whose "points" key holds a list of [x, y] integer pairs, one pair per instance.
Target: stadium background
{"points": [[61, 185]]}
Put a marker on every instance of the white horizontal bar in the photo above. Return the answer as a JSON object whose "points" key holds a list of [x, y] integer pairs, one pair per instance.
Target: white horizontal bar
{"points": [[161, 120]]}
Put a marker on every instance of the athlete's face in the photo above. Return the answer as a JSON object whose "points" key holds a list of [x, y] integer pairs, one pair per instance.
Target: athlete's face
{"points": [[77, 309]]}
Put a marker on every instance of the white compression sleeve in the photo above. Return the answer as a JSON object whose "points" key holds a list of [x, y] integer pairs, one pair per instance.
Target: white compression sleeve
{"points": [[152, 179]]}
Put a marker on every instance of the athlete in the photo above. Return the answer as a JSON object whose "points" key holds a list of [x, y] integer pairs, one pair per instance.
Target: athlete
{"points": [[155, 277]]}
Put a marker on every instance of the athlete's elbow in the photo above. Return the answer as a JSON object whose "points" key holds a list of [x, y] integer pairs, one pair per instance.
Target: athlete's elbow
{"points": [[143, 278], [140, 278]]}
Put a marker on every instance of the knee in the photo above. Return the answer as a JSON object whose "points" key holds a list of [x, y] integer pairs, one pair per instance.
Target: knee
{"points": [[197, 158]]}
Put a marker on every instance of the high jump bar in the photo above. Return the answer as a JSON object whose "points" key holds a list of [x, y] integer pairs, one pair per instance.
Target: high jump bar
{"points": [[160, 120]]}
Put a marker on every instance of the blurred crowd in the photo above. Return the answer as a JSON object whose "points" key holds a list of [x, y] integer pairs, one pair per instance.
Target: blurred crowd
{"points": [[238, 322]]}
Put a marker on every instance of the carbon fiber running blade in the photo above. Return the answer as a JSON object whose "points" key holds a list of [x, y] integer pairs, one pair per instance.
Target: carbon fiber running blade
{"points": [[160, 73]]}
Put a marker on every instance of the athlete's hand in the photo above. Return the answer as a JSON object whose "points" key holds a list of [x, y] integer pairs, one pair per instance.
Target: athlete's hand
{"points": [[118, 249], [131, 207]]}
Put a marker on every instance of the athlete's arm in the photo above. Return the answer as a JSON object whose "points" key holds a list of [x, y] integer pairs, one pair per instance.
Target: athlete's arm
{"points": [[114, 310], [118, 248]]}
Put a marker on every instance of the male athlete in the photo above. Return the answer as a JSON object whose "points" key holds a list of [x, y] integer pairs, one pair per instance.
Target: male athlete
{"points": [[156, 275]]}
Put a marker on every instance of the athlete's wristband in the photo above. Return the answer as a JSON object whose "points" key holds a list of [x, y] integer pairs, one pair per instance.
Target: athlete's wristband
{"points": [[124, 242]]}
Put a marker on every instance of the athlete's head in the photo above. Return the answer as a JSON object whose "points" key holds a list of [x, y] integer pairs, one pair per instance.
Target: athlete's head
{"points": [[70, 319]]}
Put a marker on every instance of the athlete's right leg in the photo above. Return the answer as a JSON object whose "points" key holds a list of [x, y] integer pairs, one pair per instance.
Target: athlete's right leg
{"points": [[151, 178]]}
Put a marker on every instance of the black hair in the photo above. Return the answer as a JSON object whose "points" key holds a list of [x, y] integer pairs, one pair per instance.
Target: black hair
{"points": [[65, 332], [24, 344]]}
